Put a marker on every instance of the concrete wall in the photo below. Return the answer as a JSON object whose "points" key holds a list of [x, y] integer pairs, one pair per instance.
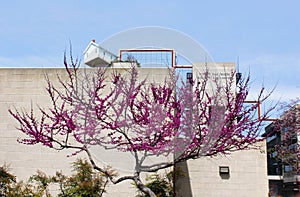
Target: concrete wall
{"points": [[247, 177], [23, 87]]}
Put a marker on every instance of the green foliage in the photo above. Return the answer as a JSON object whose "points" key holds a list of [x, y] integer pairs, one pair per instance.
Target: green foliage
{"points": [[10, 188], [83, 183], [162, 184], [22, 189], [6, 179]]}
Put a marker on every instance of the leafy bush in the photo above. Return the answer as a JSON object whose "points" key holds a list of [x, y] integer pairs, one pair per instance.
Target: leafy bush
{"points": [[162, 184], [85, 182]]}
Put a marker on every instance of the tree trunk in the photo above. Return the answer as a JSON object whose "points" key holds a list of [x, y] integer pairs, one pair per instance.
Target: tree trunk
{"points": [[141, 186]]}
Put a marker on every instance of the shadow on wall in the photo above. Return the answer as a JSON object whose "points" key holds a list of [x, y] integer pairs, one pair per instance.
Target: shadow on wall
{"points": [[182, 180]]}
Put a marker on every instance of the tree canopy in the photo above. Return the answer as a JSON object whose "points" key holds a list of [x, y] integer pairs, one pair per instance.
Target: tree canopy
{"points": [[123, 111]]}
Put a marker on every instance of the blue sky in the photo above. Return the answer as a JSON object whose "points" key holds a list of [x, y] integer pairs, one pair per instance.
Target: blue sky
{"points": [[264, 34]]}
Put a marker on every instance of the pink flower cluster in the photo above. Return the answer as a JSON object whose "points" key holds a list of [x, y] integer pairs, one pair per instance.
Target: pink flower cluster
{"points": [[127, 113]]}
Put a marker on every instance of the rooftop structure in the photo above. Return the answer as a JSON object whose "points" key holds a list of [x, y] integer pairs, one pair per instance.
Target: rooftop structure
{"points": [[95, 55]]}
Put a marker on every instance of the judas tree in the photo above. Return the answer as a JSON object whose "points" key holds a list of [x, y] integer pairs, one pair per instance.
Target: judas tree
{"points": [[120, 110]]}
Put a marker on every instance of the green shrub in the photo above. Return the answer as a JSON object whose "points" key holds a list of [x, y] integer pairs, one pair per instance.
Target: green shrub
{"points": [[85, 182]]}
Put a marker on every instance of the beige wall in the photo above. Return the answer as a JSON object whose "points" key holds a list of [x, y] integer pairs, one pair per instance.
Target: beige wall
{"points": [[247, 178], [22, 87]]}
